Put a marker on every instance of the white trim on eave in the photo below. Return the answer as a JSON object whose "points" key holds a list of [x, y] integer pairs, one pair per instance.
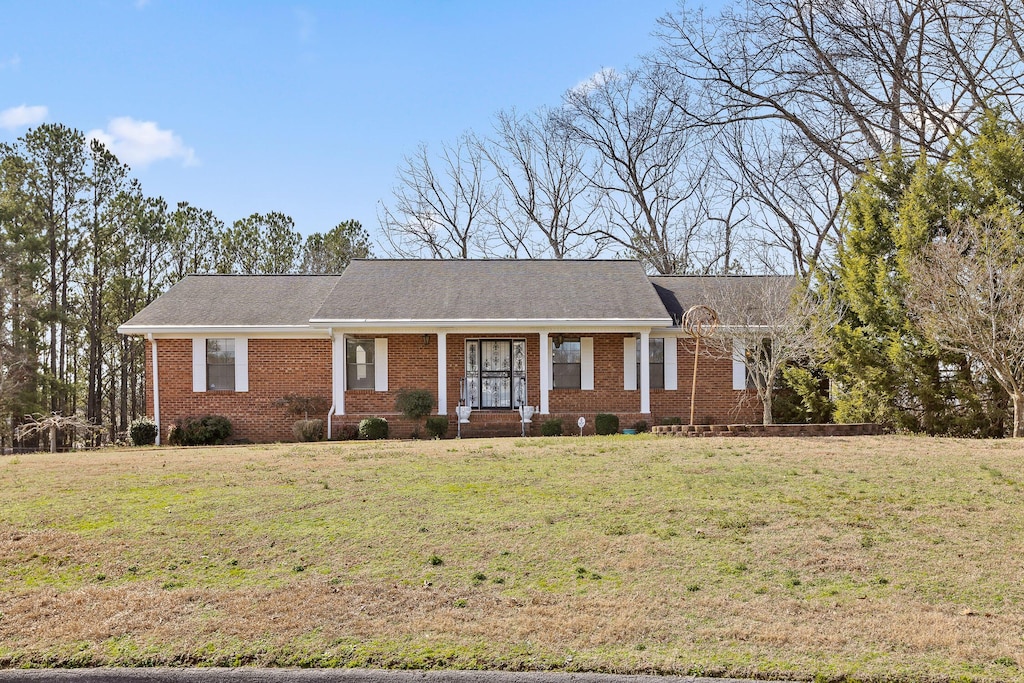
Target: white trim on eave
{"points": [[531, 324], [281, 331]]}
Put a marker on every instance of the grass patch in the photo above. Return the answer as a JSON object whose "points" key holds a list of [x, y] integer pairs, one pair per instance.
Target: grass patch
{"points": [[867, 558]]}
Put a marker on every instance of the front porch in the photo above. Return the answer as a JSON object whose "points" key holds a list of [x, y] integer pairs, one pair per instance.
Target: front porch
{"points": [[580, 373]]}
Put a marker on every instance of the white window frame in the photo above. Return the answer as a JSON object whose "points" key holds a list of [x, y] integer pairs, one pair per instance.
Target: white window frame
{"points": [[571, 340], [199, 378]]}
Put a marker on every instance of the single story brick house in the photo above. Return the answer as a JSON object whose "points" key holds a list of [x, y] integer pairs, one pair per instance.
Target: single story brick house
{"points": [[570, 338]]}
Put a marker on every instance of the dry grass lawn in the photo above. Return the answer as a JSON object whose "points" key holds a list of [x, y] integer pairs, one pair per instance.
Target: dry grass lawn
{"points": [[895, 558]]}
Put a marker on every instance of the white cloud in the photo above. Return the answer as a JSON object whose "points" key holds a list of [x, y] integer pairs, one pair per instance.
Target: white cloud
{"points": [[140, 143], [12, 62], [22, 116], [595, 81]]}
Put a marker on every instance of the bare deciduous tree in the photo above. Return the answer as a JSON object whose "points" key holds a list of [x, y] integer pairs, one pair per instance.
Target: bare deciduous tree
{"points": [[814, 90], [649, 166], [767, 322], [440, 208], [967, 291], [53, 424], [791, 196], [550, 201]]}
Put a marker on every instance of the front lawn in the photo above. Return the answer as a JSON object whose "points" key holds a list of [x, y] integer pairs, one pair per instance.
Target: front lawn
{"points": [[866, 558]]}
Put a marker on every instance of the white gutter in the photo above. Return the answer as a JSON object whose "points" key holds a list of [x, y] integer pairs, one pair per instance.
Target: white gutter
{"points": [[330, 413], [156, 389], [561, 324]]}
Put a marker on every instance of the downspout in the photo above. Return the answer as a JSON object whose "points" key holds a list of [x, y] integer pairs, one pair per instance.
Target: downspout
{"points": [[330, 413], [156, 388]]}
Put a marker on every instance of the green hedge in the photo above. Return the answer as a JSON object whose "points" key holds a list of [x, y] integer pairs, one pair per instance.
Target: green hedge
{"points": [[437, 426], [606, 423], [414, 403], [373, 428], [551, 428], [208, 430], [143, 432]]}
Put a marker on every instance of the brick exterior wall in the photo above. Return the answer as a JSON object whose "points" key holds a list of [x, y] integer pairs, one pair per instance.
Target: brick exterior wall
{"points": [[608, 395], [411, 365], [716, 402], [276, 367], [303, 366]]}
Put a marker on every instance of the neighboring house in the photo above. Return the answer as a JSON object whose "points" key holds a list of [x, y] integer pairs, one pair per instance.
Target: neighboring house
{"points": [[572, 338]]}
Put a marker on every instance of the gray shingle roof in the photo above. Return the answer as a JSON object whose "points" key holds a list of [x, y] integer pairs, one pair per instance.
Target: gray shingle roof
{"points": [[242, 300], [725, 294], [424, 290]]}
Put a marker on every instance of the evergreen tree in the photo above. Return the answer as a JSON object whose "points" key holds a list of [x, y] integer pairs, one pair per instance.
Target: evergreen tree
{"points": [[887, 368], [333, 251]]}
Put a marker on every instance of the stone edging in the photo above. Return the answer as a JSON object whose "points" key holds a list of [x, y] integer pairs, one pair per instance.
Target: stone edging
{"points": [[857, 429]]}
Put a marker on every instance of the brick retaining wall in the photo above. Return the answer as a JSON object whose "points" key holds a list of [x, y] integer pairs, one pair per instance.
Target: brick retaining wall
{"points": [[856, 429]]}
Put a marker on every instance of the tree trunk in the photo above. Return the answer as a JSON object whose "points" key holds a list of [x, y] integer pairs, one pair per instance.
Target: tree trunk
{"points": [[1018, 414], [766, 403]]}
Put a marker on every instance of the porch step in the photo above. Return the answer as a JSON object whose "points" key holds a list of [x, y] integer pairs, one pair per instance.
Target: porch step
{"points": [[484, 424]]}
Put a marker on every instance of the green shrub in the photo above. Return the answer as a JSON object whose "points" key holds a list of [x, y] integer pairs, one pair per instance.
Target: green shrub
{"points": [[143, 432], [208, 430], [373, 428], [414, 403], [437, 426], [641, 426], [666, 421], [308, 430], [606, 423], [551, 428]]}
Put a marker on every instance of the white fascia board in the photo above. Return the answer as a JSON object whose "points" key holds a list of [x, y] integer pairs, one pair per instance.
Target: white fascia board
{"points": [[535, 324], [283, 331]]}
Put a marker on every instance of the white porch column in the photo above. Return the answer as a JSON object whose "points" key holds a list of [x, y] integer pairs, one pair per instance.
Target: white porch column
{"points": [[442, 373], [338, 373], [156, 387], [545, 372], [645, 372]]}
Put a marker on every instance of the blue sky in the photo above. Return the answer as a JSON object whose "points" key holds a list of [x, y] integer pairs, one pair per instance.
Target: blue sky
{"points": [[308, 109]]}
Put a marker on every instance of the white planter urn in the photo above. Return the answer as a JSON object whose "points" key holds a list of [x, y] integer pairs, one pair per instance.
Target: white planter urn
{"points": [[463, 413], [526, 412]]}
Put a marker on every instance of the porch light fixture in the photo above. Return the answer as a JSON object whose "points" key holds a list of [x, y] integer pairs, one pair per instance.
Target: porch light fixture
{"points": [[558, 341], [426, 340]]}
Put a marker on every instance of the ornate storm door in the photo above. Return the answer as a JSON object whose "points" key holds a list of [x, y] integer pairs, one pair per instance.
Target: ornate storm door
{"points": [[495, 373]]}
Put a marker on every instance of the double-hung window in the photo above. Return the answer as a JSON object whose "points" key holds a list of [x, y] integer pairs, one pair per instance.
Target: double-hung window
{"points": [[657, 362], [566, 364], [359, 364], [220, 365]]}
